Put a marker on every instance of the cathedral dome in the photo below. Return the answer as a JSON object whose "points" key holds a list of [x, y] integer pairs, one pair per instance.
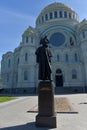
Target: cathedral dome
{"points": [[56, 5], [56, 11]]}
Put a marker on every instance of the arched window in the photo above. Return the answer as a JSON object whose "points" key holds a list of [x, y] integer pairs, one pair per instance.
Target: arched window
{"points": [[9, 63], [58, 58], [46, 17], [73, 16], [65, 14], [16, 77], [42, 19], [83, 34], [18, 61], [51, 15], [31, 39], [74, 74], [58, 71], [71, 41], [25, 75], [70, 15], [60, 14], [67, 58], [55, 14], [76, 57], [39, 21], [7, 77], [26, 56], [26, 39]]}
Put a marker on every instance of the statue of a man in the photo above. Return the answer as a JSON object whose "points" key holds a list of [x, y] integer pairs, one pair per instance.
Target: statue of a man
{"points": [[43, 57]]}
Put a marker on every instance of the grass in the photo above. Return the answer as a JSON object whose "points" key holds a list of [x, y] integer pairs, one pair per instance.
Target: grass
{"points": [[6, 98]]}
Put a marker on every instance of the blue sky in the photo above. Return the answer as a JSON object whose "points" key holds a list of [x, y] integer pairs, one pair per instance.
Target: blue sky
{"points": [[17, 15]]}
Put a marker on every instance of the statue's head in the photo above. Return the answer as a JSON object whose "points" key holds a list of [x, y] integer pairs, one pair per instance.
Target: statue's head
{"points": [[44, 40]]}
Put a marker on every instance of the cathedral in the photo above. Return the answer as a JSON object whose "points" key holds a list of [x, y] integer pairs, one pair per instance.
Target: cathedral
{"points": [[68, 45]]}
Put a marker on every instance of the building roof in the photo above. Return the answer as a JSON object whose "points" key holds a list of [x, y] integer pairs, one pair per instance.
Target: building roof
{"points": [[56, 5], [58, 11]]}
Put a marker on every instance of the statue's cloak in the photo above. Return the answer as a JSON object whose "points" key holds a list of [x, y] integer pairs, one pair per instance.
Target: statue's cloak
{"points": [[43, 57]]}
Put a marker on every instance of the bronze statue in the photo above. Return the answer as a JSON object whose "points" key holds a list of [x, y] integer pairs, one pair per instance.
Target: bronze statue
{"points": [[43, 58]]}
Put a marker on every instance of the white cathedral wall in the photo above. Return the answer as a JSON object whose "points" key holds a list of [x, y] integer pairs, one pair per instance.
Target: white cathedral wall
{"points": [[67, 74], [28, 66], [31, 77], [84, 56], [31, 66], [7, 69]]}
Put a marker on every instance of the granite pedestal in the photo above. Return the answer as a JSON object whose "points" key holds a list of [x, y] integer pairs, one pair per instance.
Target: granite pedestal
{"points": [[46, 115]]}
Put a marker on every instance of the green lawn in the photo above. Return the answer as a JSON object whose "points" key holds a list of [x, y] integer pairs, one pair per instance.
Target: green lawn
{"points": [[6, 98]]}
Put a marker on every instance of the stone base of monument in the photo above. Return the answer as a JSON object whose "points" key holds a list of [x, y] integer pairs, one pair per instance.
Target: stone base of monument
{"points": [[46, 121], [46, 116]]}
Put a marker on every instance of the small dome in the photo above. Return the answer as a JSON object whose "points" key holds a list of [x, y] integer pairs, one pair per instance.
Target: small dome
{"points": [[56, 11], [29, 30]]}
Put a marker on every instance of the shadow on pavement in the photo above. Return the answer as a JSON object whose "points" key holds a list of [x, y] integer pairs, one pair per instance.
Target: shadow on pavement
{"points": [[28, 126]]}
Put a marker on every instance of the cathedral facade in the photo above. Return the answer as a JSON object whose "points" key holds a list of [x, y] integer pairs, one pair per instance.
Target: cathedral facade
{"points": [[68, 44]]}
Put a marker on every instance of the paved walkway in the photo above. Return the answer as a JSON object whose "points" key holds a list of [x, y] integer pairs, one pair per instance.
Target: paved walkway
{"points": [[14, 116]]}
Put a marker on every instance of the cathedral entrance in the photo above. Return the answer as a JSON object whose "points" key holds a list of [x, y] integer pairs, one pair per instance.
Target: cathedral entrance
{"points": [[59, 78]]}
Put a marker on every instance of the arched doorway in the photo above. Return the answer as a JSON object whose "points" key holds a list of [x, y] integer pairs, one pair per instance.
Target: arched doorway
{"points": [[59, 78]]}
